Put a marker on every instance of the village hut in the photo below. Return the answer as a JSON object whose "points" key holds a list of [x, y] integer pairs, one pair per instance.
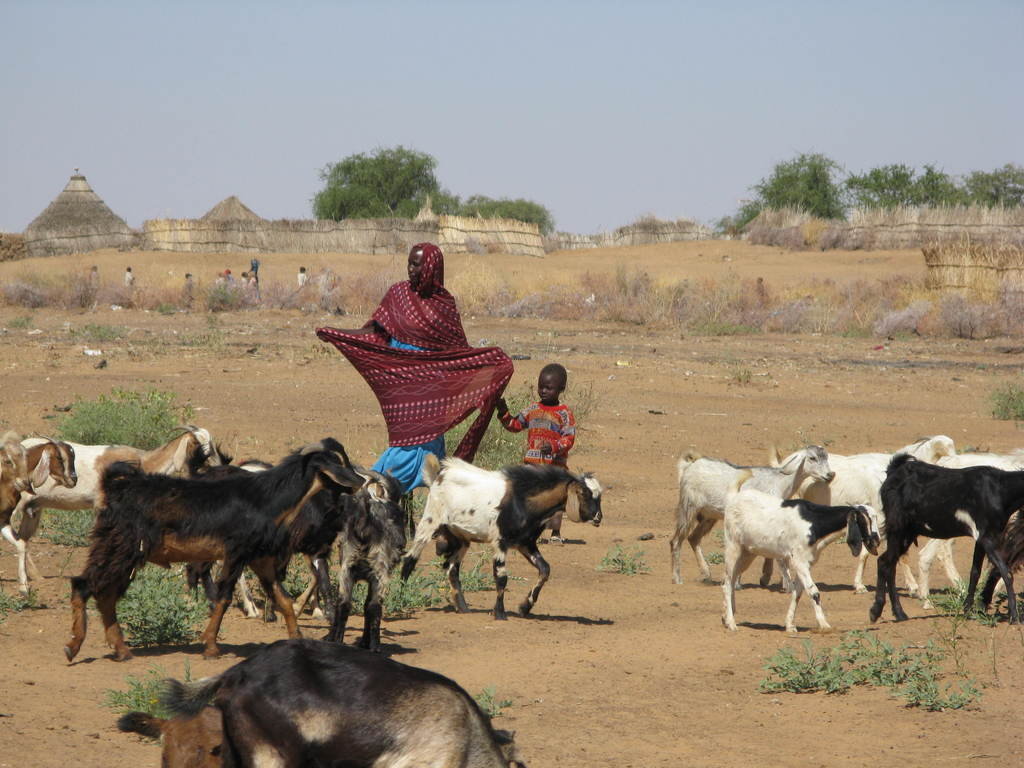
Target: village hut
{"points": [[231, 209], [77, 221]]}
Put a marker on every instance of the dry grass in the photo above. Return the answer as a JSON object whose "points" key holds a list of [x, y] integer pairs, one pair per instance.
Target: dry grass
{"points": [[705, 306]]}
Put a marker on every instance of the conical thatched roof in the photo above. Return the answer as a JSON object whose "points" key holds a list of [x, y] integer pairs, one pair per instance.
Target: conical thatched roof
{"points": [[231, 208], [75, 222]]}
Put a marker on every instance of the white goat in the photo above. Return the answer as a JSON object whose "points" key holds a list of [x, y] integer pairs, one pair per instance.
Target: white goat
{"points": [[704, 485], [192, 448], [793, 531], [858, 479]]}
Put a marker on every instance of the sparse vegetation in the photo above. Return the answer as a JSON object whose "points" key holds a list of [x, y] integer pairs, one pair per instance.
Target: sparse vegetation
{"points": [[489, 702], [629, 562], [93, 332], [16, 603], [21, 323], [67, 527], [1008, 402], [124, 417], [911, 672]]}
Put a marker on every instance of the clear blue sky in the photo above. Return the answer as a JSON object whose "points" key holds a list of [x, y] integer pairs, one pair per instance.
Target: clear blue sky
{"points": [[602, 111]]}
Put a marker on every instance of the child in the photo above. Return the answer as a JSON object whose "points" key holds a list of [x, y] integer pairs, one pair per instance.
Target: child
{"points": [[551, 427]]}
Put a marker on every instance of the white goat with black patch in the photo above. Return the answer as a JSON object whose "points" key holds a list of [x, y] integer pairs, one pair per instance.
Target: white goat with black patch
{"points": [[508, 507], [704, 485], [792, 531], [858, 480]]}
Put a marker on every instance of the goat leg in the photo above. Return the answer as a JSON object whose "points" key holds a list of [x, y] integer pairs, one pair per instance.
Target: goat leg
{"points": [[453, 564], [107, 605], [372, 612], [500, 582], [267, 572], [533, 554], [79, 617], [344, 607]]}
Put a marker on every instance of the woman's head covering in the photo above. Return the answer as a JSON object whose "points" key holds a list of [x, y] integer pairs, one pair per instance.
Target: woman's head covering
{"points": [[431, 275]]}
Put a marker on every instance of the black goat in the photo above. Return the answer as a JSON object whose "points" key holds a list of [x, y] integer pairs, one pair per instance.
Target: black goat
{"points": [[509, 507], [922, 499], [242, 519], [302, 703], [371, 543]]}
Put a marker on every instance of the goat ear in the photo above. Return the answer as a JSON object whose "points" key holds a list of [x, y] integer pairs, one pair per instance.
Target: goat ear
{"points": [[42, 470], [854, 539], [572, 502]]}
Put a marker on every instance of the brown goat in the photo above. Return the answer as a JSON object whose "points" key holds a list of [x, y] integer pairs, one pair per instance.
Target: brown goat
{"points": [[189, 741]]}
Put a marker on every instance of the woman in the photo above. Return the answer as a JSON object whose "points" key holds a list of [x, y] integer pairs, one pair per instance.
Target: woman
{"points": [[414, 355]]}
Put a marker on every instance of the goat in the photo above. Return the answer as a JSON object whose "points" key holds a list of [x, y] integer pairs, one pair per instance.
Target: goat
{"points": [[1013, 552], [858, 480], [305, 702], [242, 519], [793, 531], [922, 499], [179, 456], [703, 487], [370, 544], [508, 507], [52, 459], [189, 741], [15, 478]]}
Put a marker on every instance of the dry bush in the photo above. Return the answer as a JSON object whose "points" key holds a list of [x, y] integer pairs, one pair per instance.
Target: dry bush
{"points": [[812, 231], [906, 320], [967, 320]]}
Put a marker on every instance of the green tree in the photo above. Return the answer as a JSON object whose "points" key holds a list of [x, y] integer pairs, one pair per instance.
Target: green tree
{"points": [[934, 187], [504, 208], [389, 182], [1003, 186], [807, 183], [884, 187]]}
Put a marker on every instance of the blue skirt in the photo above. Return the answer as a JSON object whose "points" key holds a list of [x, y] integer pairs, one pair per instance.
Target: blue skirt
{"points": [[406, 463]]}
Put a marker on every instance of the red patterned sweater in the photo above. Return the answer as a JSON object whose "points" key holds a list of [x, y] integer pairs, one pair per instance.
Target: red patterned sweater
{"points": [[554, 424]]}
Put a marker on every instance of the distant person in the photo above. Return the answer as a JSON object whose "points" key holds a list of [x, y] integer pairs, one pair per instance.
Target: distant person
{"points": [[302, 278], [94, 276], [188, 291], [551, 427], [254, 275], [129, 278]]}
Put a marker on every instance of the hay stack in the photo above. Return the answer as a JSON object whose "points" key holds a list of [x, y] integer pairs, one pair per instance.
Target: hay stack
{"points": [[231, 209], [12, 247], [77, 221]]}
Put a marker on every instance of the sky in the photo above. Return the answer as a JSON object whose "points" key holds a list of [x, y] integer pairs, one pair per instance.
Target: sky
{"points": [[601, 111]]}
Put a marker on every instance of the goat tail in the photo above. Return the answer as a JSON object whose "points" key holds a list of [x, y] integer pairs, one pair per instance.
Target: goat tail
{"points": [[740, 478], [431, 469], [898, 461], [141, 722], [119, 472], [684, 461], [189, 698]]}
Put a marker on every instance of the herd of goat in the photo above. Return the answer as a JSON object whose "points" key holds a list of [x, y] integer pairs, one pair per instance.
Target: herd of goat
{"points": [[185, 502]]}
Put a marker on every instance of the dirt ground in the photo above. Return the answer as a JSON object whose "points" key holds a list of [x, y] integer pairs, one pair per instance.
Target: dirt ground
{"points": [[612, 669]]}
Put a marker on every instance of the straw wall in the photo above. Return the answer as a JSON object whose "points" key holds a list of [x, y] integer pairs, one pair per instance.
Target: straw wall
{"points": [[971, 265], [347, 236], [83, 239], [643, 232], [887, 229]]}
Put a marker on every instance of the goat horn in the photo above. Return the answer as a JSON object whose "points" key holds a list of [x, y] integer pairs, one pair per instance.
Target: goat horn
{"points": [[312, 448]]}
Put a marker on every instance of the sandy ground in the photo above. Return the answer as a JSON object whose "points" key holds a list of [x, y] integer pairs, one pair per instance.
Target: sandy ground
{"points": [[612, 669]]}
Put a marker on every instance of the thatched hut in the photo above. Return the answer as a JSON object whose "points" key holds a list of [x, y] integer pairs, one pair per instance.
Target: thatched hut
{"points": [[75, 222], [231, 209]]}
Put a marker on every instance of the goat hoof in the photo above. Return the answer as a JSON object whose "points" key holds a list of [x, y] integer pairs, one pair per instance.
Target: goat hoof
{"points": [[70, 653], [123, 656], [874, 613], [524, 609], [860, 590], [500, 616], [211, 652]]}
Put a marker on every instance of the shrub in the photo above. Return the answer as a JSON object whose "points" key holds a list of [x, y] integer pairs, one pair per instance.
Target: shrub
{"points": [[144, 694], [490, 704], [68, 527], [21, 323], [93, 332], [912, 672], [157, 609], [224, 298], [143, 419], [906, 320], [1008, 402], [618, 560]]}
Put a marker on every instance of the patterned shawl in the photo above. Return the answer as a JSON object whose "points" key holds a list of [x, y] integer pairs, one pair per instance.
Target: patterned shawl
{"points": [[423, 394]]}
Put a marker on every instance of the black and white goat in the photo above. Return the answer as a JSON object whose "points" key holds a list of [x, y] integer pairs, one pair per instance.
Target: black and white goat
{"points": [[792, 531], [926, 500], [179, 456], [49, 460], [370, 544], [508, 508], [242, 519], [300, 703], [704, 485]]}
